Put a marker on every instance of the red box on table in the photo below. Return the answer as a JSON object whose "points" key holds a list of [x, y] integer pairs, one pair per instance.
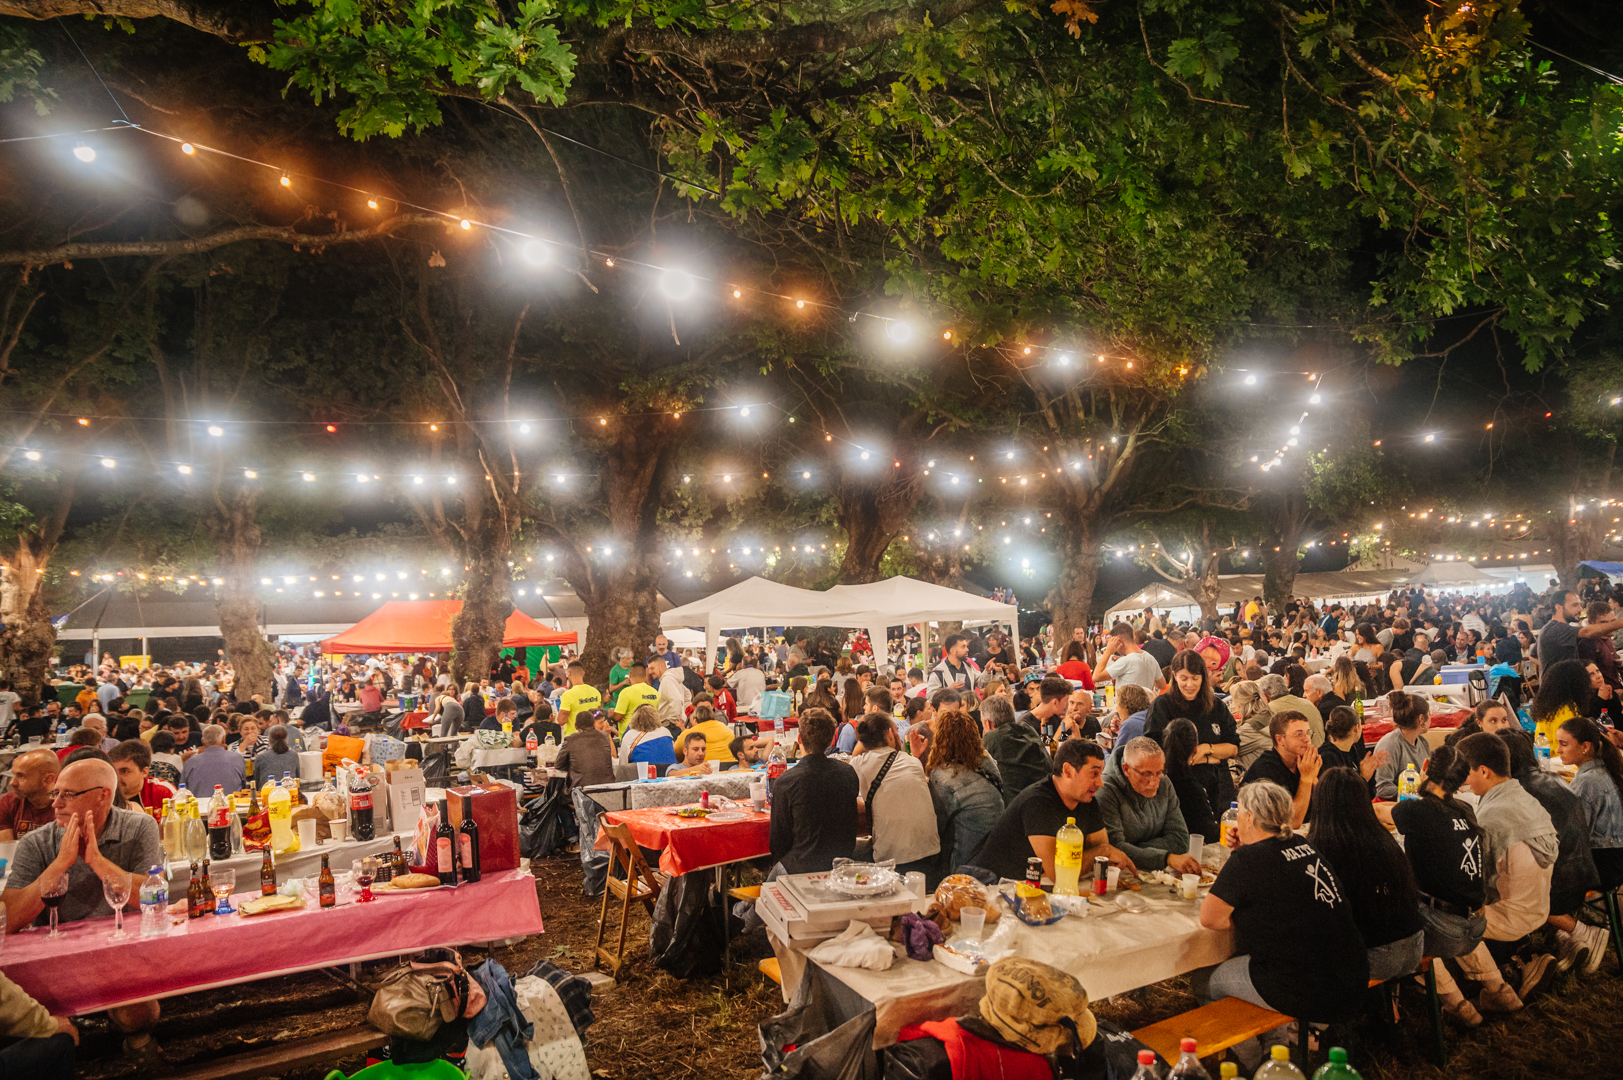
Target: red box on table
{"points": [[495, 811]]}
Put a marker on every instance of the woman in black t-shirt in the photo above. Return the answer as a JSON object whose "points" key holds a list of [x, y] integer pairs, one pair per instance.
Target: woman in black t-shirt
{"points": [[1190, 697], [1180, 741], [1297, 949], [1373, 870]]}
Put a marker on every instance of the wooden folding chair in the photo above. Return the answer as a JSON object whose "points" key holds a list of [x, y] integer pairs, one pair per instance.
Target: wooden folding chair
{"points": [[638, 883]]}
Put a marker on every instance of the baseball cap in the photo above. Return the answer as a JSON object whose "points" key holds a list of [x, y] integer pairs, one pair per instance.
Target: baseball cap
{"points": [[1035, 1006]]}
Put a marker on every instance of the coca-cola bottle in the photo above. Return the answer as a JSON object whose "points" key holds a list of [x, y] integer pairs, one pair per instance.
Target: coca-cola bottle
{"points": [[360, 806]]}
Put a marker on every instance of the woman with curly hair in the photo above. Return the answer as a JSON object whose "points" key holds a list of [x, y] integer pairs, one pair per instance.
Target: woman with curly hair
{"points": [[966, 780], [1563, 692]]}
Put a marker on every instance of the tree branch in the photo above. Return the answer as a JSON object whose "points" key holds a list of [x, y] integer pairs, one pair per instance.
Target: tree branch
{"points": [[281, 233], [236, 21]]}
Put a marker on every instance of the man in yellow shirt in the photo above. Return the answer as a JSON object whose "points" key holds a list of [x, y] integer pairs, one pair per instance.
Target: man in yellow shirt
{"points": [[636, 694], [579, 697]]}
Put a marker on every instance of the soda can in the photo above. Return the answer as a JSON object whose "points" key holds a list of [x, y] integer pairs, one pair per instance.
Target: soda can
{"points": [[1101, 875]]}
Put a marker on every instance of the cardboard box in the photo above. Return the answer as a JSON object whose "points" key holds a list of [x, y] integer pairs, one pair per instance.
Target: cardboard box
{"points": [[405, 794], [495, 811], [790, 921], [824, 907]]}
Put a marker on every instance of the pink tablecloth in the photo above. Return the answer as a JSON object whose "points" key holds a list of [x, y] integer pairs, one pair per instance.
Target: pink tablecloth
{"points": [[689, 844], [83, 971]]}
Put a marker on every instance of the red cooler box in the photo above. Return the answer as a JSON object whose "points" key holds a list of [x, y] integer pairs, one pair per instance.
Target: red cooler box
{"points": [[495, 811]]}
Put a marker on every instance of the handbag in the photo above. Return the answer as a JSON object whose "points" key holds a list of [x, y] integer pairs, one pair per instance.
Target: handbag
{"points": [[416, 998]]}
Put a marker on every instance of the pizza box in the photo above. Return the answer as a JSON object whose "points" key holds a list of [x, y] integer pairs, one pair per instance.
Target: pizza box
{"points": [[789, 922]]}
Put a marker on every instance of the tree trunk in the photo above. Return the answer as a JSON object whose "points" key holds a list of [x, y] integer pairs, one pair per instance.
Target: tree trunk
{"points": [[872, 515], [1572, 540], [26, 634], [478, 629], [1070, 601], [1287, 521], [235, 528]]}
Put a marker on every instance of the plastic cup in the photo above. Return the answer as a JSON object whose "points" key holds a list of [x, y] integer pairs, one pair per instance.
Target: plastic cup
{"points": [[1112, 878], [340, 830], [1197, 845], [1191, 886], [972, 920], [307, 833], [915, 885]]}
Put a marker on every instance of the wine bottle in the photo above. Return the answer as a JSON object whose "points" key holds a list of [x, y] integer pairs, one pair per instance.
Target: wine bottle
{"points": [[468, 843], [445, 847]]}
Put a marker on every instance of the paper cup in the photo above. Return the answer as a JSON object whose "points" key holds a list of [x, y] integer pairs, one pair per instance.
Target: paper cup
{"points": [[1191, 886], [1112, 878], [972, 921], [307, 833], [1197, 845], [340, 830]]}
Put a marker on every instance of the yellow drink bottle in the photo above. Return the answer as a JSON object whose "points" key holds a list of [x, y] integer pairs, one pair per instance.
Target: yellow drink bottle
{"points": [[1068, 843]]}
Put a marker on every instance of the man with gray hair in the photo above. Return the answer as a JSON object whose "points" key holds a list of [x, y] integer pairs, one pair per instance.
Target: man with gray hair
{"points": [[1141, 810], [1016, 746], [1314, 689], [214, 766], [1276, 692]]}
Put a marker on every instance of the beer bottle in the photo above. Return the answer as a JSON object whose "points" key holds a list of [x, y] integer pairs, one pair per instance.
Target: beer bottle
{"points": [[468, 843], [194, 891], [401, 866], [267, 876], [328, 889], [208, 890]]}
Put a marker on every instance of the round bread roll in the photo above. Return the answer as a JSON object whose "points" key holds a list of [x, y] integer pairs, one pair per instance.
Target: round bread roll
{"points": [[960, 890], [414, 881]]}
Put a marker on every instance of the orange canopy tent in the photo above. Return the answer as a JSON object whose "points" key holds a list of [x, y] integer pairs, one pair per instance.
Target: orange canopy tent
{"points": [[411, 626]]}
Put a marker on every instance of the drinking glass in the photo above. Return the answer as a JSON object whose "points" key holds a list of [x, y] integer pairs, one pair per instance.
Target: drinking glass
{"points": [[364, 871], [116, 891], [53, 900], [223, 882]]}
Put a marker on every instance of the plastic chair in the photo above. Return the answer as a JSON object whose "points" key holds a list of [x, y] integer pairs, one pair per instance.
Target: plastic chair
{"points": [[439, 1069]]}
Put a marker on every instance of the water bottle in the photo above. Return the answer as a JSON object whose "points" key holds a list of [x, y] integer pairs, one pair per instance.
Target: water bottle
{"points": [[1188, 1066], [1229, 826], [154, 904], [62, 733], [1409, 783], [1279, 1066], [1337, 1068], [1541, 746]]}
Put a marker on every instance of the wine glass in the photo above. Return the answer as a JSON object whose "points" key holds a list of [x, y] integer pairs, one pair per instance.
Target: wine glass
{"points": [[53, 900], [223, 882], [116, 891], [364, 871]]}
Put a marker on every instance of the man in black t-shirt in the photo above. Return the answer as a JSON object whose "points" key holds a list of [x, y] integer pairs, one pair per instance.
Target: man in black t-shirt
{"points": [[1293, 763], [1027, 826]]}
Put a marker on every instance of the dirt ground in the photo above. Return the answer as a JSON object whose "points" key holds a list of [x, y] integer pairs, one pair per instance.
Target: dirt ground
{"points": [[654, 1027]]}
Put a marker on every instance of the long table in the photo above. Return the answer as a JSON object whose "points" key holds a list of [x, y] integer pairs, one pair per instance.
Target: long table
{"points": [[1109, 953], [302, 863], [689, 844], [682, 791], [83, 971]]}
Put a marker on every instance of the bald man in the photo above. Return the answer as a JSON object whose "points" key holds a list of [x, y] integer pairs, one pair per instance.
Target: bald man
{"points": [[89, 840], [27, 805]]}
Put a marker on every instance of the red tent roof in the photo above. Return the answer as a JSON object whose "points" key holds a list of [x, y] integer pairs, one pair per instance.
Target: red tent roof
{"points": [[408, 626]]}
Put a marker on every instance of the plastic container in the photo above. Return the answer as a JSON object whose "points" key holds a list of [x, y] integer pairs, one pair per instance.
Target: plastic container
{"points": [[1188, 1066], [154, 904], [1279, 1066], [1147, 1069], [1337, 1068], [1068, 844]]}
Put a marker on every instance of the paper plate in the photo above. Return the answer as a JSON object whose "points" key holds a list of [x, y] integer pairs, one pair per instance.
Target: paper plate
{"points": [[728, 815]]}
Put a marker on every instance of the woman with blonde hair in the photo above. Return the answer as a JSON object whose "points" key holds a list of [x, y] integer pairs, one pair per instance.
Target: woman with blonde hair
{"points": [[1251, 718], [647, 740]]}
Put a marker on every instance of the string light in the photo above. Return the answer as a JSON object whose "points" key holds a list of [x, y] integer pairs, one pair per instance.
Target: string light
{"points": [[287, 181], [187, 148]]}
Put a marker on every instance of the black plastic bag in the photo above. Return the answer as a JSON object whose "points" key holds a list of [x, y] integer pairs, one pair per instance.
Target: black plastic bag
{"points": [[918, 1059], [544, 825], [826, 1034], [685, 938]]}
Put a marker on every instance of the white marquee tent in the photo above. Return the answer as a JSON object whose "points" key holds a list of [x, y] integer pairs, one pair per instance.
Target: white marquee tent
{"points": [[1452, 573], [904, 601]]}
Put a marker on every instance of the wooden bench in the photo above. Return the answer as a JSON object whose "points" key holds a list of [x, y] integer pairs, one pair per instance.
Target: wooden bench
{"points": [[285, 1057], [1214, 1027], [772, 969]]}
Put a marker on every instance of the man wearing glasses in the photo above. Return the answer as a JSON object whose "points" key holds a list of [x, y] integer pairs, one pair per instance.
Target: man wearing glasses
{"points": [[1141, 811], [91, 839]]}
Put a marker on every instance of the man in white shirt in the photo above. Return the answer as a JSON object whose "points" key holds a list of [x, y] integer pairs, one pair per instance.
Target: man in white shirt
{"points": [[1124, 663], [8, 705], [673, 694], [748, 684]]}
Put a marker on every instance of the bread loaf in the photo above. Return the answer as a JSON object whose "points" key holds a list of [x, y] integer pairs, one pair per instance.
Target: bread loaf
{"points": [[414, 881]]}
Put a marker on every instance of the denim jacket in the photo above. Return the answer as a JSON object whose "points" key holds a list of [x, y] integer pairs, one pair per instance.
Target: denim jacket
{"points": [[972, 804], [1603, 809]]}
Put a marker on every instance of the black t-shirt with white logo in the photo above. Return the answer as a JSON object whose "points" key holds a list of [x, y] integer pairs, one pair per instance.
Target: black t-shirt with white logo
{"points": [[1444, 851], [1293, 919], [1037, 811]]}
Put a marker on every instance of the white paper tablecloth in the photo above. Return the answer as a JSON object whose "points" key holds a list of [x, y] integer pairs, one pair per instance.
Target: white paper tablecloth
{"points": [[1108, 954], [644, 795]]}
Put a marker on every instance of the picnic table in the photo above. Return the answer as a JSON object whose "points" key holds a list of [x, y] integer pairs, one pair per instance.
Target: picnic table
{"points": [[82, 971], [690, 844]]}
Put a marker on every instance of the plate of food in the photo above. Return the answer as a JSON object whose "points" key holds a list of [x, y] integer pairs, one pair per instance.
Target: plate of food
{"points": [[689, 811], [264, 905], [861, 880]]}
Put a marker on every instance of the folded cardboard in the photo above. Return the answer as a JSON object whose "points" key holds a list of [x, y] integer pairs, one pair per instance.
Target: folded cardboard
{"points": [[404, 793], [784, 913]]}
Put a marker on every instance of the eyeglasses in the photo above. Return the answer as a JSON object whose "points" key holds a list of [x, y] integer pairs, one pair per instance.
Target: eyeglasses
{"points": [[1148, 774], [56, 794]]}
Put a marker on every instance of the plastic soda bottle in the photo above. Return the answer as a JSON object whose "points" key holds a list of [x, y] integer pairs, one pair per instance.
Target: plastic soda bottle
{"points": [[1147, 1069], [154, 903], [1279, 1066], [1068, 844], [1337, 1068], [1188, 1066], [1229, 827], [1409, 783], [1541, 745], [1228, 1070], [280, 809]]}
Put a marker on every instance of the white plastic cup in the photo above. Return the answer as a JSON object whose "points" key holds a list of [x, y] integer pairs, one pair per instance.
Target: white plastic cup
{"points": [[1197, 845], [972, 920], [340, 830], [758, 795], [915, 885], [1191, 886], [307, 833], [1112, 878]]}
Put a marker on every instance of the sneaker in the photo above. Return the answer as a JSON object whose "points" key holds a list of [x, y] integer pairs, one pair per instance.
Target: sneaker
{"points": [[1534, 974], [1462, 1012], [1569, 949], [1502, 999], [1594, 939]]}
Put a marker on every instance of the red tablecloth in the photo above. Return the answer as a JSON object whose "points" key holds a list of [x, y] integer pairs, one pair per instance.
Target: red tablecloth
{"points": [[83, 971], [689, 844], [1374, 729]]}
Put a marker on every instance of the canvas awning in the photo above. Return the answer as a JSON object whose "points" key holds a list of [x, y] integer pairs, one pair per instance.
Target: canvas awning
{"points": [[411, 626]]}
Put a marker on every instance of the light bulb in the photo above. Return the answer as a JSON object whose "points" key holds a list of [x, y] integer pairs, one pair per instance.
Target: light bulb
{"points": [[84, 153], [187, 148]]}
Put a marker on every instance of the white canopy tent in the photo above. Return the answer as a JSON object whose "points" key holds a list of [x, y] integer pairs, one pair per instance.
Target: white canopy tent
{"points": [[903, 601], [1452, 573], [759, 602]]}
